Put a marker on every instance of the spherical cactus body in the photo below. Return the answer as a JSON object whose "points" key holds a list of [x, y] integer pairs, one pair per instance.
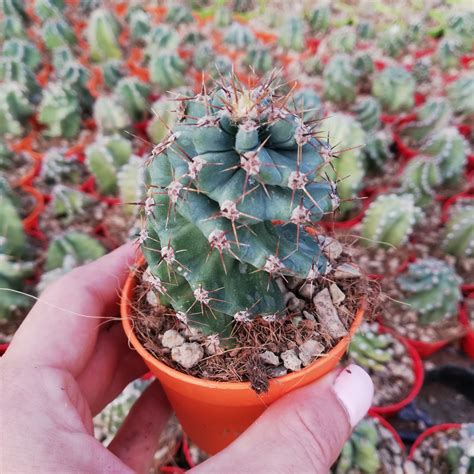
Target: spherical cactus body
{"points": [[318, 19], [133, 94], [102, 35], [367, 111], [167, 70], [340, 80], [394, 88], [343, 40], [461, 95], [239, 36], [393, 41], [110, 115], [56, 32], [292, 34], [15, 108], [459, 233]]}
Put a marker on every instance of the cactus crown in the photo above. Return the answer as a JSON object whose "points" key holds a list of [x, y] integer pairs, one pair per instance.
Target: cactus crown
{"points": [[390, 219], [394, 87], [459, 233], [433, 289], [237, 161]]}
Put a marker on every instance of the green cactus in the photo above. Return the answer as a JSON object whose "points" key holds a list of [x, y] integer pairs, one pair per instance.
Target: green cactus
{"points": [[461, 96], [448, 52], [390, 220], [432, 116], [11, 26], [347, 164], [363, 64], [6, 157], [204, 56], [13, 7], [318, 19], [56, 168], [167, 70], [459, 232], [421, 177], [367, 111], [461, 26], [394, 88], [307, 105], [258, 59], [422, 70], [162, 38], [292, 34], [15, 108], [239, 148], [49, 9], [432, 289], [165, 114], [343, 40], [133, 94], [179, 15], [22, 51], [102, 35], [110, 115], [393, 41], [459, 455], [68, 203], [239, 36], [104, 158], [360, 453], [223, 16], [377, 150], [12, 236], [112, 72], [131, 182], [365, 30], [13, 70], [59, 110], [56, 32], [370, 349], [139, 23], [340, 80]]}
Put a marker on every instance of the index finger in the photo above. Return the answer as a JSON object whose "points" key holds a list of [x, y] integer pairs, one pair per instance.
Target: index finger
{"points": [[62, 327]]}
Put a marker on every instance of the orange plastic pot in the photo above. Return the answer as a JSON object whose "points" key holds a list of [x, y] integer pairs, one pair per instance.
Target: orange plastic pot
{"points": [[213, 414], [30, 222]]}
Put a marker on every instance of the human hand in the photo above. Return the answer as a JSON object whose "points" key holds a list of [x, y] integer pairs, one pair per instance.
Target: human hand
{"points": [[63, 368]]}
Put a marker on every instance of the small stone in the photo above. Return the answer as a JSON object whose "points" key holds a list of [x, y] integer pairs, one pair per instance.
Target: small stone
{"points": [[188, 354], [294, 304], [172, 338], [309, 316], [309, 350], [193, 334], [270, 358], [277, 371], [291, 360], [347, 270], [331, 248], [337, 295], [307, 291], [151, 298], [327, 315]]}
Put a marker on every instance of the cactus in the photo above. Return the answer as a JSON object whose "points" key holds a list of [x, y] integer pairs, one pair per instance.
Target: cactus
{"points": [[461, 26], [59, 110], [340, 79], [370, 349], [258, 59], [461, 96], [348, 164], [6, 157], [15, 108], [104, 158], [22, 51], [390, 220], [432, 290], [365, 30], [133, 94], [360, 453], [112, 72], [394, 88], [110, 115], [49, 9], [393, 41], [12, 237], [57, 168], [377, 149], [165, 113], [167, 70], [13, 7], [422, 70], [430, 118], [459, 454], [11, 26], [292, 34], [421, 177], [343, 40], [367, 111], [138, 22], [131, 181], [179, 15], [459, 233], [239, 36], [203, 56], [448, 52], [223, 16], [102, 35], [56, 33], [307, 105], [318, 19], [13, 70], [240, 149], [363, 64], [162, 37], [68, 203]]}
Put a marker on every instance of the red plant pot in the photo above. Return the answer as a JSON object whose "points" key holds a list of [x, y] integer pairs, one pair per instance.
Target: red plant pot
{"points": [[467, 342], [3, 348], [88, 187], [429, 432], [418, 370], [33, 171], [30, 222], [451, 201]]}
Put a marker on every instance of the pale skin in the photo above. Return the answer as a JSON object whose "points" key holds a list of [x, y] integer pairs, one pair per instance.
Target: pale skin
{"points": [[70, 358]]}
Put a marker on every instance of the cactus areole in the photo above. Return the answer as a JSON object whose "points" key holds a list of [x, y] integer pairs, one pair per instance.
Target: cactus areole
{"points": [[236, 162]]}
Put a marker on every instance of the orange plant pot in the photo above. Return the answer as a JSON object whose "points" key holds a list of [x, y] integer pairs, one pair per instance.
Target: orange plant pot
{"points": [[30, 222], [213, 414]]}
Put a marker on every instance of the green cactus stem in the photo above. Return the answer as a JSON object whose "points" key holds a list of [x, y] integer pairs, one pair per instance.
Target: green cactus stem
{"points": [[461, 96], [459, 455], [340, 80], [239, 148], [204, 56], [390, 220], [131, 183], [15, 108], [179, 15], [258, 59], [23, 51], [56, 168], [102, 35], [363, 64], [368, 111], [13, 70], [448, 52], [13, 7], [377, 150], [318, 19], [432, 289], [239, 36], [68, 203], [365, 30], [459, 232], [394, 88], [343, 40], [133, 94], [56, 32], [12, 236], [112, 72], [110, 115], [222, 16], [11, 26], [393, 41], [45, 9], [162, 38], [138, 22], [165, 112], [167, 70], [461, 26], [307, 104], [292, 34]]}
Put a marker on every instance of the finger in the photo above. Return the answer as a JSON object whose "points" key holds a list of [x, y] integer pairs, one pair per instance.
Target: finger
{"points": [[137, 440], [302, 432], [111, 367], [61, 329]]}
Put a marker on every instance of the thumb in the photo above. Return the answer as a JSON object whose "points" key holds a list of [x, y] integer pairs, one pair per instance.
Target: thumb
{"points": [[303, 431]]}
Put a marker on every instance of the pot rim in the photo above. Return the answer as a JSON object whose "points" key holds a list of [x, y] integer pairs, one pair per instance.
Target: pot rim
{"points": [[150, 359], [428, 432]]}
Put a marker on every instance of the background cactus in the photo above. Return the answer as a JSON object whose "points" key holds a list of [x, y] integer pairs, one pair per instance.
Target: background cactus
{"points": [[258, 59], [448, 52], [363, 64], [394, 88], [57, 168], [318, 19], [343, 40], [239, 36], [45, 9], [13, 70], [459, 455], [110, 115], [367, 111], [459, 233], [340, 79], [393, 41], [228, 138], [161, 38], [131, 181], [432, 290], [179, 14], [292, 34], [377, 150], [164, 115], [390, 219], [68, 203], [102, 35], [23, 51], [112, 71], [11, 26], [59, 110], [167, 70], [133, 94], [15, 108], [138, 22], [307, 104], [461, 96], [56, 32], [421, 177]]}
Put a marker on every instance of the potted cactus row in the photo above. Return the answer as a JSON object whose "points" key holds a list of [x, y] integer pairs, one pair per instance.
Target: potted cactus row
{"points": [[239, 298]]}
